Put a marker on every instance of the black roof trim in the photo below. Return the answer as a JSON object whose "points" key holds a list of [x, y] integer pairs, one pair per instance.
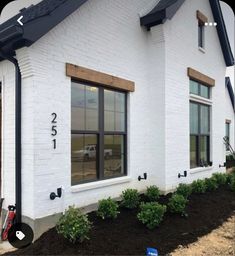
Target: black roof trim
{"points": [[230, 91], [222, 32], [165, 9], [38, 20]]}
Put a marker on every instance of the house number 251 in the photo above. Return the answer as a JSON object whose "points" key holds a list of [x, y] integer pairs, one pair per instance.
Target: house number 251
{"points": [[54, 129]]}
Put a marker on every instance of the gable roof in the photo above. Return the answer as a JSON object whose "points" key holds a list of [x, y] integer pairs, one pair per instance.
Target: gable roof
{"points": [[165, 9], [38, 20], [228, 85]]}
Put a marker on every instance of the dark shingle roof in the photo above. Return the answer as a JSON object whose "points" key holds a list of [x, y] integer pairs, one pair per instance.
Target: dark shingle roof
{"points": [[228, 85], [38, 20]]}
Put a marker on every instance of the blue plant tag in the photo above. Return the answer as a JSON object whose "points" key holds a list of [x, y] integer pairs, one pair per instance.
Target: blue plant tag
{"points": [[152, 252]]}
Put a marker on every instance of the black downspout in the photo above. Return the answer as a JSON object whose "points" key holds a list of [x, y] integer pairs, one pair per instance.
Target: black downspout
{"points": [[18, 182]]}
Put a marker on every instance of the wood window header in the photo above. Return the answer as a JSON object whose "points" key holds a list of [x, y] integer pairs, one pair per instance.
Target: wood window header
{"points": [[227, 121], [201, 18], [93, 76], [201, 78]]}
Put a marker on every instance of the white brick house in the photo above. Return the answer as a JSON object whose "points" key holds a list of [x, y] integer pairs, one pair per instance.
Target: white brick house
{"points": [[109, 92]]}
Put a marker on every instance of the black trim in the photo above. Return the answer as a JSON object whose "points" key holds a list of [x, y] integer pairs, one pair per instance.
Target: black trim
{"points": [[222, 32], [228, 85], [164, 10], [18, 155]]}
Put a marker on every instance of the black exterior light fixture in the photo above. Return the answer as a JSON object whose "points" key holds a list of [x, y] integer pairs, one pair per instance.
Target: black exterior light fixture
{"points": [[143, 178], [224, 165], [53, 195], [183, 175]]}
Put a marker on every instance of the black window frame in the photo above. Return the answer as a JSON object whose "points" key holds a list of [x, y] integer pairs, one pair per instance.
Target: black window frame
{"points": [[227, 136], [200, 135], [100, 133], [201, 35]]}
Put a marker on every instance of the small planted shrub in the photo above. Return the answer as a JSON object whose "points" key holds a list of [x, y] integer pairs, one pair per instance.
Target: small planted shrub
{"points": [[74, 225], [177, 204], [151, 214], [230, 177], [107, 208], [211, 184], [184, 190], [232, 184], [221, 178], [199, 186], [152, 193], [130, 198]]}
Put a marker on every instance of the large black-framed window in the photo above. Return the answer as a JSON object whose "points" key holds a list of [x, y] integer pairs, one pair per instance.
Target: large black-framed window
{"points": [[199, 135], [98, 133]]}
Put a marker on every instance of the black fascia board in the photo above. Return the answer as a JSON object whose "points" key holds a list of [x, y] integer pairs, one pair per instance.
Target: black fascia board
{"points": [[230, 91], [222, 32], [160, 13], [12, 37]]}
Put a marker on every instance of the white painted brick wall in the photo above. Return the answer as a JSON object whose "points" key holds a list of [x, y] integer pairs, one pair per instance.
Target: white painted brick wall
{"points": [[106, 36]]}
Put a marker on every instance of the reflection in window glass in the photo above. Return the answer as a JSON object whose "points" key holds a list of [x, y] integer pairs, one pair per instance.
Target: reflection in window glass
{"points": [[204, 161], [84, 101], [205, 126], [193, 151], [114, 111], [194, 87], [113, 155], [204, 91], [83, 158], [194, 108], [227, 134]]}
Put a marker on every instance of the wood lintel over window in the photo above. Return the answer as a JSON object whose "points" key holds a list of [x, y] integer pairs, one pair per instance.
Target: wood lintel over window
{"points": [[93, 76], [201, 78], [227, 121], [202, 19]]}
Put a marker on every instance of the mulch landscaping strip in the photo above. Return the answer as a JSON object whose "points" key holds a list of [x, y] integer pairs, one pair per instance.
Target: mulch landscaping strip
{"points": [[127, 236]]}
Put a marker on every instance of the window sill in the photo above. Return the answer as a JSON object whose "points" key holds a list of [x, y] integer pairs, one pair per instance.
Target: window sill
{"points": [[201, 169], [99, 184], [201, 49], [200, 99]]}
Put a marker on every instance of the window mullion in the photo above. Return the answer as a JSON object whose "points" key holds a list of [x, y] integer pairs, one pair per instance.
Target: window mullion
{"points": [[101, 135]]}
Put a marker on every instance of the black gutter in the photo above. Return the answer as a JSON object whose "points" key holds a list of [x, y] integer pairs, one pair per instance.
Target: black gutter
{"points": [[18, 165]]}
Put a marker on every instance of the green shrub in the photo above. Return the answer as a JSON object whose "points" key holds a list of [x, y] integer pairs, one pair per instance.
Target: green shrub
{"points": [[151, 214], [232, 184], [184, 190], [211, 184], [199, 186], [74, 225], [153, 193], [221, 178], [230, 177], [107, 208], [130, 198], [177, 203]]}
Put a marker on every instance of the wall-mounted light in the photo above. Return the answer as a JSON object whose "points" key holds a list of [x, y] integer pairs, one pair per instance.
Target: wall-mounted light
{"points": [[183, 175], [143, 178], [224, 165], [53, 195]]}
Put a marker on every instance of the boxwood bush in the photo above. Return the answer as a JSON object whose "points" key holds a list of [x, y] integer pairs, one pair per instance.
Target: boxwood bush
{"points": [[151, 214], [199, 186], [232, 183], [177, 204], [74, 225], [184, 190], [211, 184], [107, 208], [152, 193], [221, 178], [130, 198]]}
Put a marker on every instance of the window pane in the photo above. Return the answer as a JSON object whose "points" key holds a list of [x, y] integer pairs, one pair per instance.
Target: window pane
{"points": [[204, 146], [194, 108], [109, 118], [119, 102], [227, 134], [109, 100], [91, 108], [204, 91], [205, 125], [194, 87], [120, 122], [113, 155], [78, 106], [193, 151], [201, 35], [83, 158]]}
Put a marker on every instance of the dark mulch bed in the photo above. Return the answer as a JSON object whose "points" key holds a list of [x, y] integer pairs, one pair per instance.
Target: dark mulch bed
{"points": [[127, 236]]}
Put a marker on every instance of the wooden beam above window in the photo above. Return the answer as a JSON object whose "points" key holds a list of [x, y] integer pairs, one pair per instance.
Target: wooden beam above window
{"points": [[227, 121], [93, 76], [201, 17], [201, 78]]}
